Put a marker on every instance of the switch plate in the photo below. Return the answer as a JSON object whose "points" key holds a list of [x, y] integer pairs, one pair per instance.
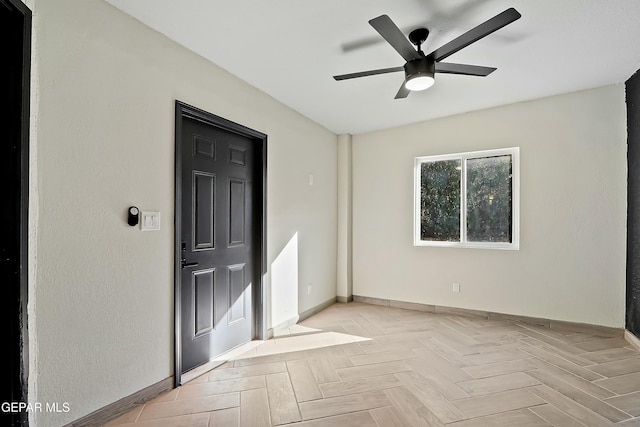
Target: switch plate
{"points": [[150, 221]]}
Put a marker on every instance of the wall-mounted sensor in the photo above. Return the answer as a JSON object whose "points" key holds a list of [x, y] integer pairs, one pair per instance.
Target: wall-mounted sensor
{"points": [[134, 213]]}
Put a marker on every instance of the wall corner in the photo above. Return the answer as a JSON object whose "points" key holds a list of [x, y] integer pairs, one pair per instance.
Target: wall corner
{"points": [[344, 280]]}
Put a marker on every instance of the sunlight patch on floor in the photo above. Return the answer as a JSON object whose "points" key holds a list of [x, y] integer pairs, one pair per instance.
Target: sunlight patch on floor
{"points": [[294, 330], [299, 341]]}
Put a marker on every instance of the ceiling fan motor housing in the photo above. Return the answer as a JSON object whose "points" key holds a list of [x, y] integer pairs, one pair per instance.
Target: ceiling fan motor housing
{"points": [[421, 67]]}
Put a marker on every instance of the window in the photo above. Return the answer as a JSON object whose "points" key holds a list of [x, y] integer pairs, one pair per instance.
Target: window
{"points": [[468, 200]]}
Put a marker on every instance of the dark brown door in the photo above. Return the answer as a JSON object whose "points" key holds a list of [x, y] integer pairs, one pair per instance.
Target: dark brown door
{"points": [[218, 228]]}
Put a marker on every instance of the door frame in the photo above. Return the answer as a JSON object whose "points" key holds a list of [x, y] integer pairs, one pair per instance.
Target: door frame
{"points": [[17, 307], [259, 297]]}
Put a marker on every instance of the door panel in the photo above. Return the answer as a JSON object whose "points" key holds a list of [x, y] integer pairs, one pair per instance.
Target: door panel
{"points": [[203, 210], [236, 288], [203, 286], [218, 228], [237, 212]]}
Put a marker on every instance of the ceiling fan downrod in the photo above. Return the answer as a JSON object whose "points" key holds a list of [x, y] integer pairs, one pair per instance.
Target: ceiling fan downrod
{"points": [[417, 37]]}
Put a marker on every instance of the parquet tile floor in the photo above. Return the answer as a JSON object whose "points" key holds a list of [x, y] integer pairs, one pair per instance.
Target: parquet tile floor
{"points": [[385, 367]]}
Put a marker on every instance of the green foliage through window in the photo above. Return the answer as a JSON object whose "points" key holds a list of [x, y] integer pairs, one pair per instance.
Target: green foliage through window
{"points": [[489, 199], [468, 199], [440, 201]]}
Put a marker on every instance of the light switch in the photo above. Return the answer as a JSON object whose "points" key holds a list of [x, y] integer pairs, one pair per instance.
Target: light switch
{"points": [[150, 221]]}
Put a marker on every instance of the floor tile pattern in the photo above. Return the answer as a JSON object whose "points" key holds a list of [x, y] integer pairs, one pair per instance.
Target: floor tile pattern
{"points": [[412, 368]]}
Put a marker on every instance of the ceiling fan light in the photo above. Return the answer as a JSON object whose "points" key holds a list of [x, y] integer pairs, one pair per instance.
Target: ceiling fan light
{"points": [[416, 83], [419, 73]]}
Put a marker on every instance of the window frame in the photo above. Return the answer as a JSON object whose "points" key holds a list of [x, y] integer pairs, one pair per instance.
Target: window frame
{"points": [[514, 152]]}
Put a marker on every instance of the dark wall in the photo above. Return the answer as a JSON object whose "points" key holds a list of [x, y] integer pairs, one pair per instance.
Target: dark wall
{"points": [[633, 204], [15, 30]]}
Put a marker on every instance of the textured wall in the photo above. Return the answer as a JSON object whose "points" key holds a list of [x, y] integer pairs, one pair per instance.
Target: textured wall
{"points": [[571, 262], [102, 323], [633, 214]]}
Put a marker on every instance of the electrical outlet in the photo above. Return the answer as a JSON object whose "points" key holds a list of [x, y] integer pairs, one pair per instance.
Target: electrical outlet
{"points": [[309, 290], [456, 287]]}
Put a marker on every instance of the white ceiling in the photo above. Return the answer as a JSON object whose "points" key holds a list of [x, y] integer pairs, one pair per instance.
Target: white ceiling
{"points": [[290, 49]]}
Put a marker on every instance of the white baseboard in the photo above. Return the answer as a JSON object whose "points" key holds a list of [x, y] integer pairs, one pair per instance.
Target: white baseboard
{"points": [[546, 323]]}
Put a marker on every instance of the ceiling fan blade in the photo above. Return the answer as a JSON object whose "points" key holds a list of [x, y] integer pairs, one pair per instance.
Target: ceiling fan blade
{"points": [[467, 70], [392, 34], [475, 34], [368, 73], [403, 92]]}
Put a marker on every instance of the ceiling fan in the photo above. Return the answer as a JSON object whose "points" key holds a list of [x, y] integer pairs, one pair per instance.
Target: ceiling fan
{"points": [[419, 70]]}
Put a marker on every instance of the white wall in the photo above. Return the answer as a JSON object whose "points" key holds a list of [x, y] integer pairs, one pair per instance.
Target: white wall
{"points": [[101, 324], [571, 262]]}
